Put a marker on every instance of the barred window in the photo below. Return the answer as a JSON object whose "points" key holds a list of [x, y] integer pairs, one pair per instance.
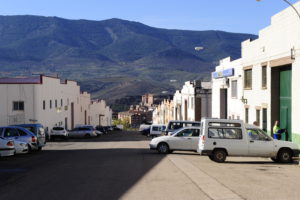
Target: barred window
{"points": [[248, 79], [234, 89], [264, 77], [225, 133], [18, 105]]}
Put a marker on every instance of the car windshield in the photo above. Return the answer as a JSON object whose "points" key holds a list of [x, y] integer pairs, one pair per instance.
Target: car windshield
{"points": [[58, 128], [258, 134]]}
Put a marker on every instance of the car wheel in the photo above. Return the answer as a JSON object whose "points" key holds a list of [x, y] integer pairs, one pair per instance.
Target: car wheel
{"points": [[163, 148], [274, 159], [87, 135], [219, 155], [285, 156], [39, 148]]}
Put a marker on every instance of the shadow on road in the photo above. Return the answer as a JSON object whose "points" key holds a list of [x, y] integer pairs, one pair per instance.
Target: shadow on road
{"points": [[74, 174]]}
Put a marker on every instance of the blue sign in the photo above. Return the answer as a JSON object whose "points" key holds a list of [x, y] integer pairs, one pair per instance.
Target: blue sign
{"points": [[224, 73]]}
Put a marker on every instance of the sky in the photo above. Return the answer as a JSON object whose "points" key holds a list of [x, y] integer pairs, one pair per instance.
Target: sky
{"points": [[241, 16]]}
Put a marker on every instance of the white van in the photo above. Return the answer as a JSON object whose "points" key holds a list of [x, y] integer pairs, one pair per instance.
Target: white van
{"points": [[174, 125], [220, 138], [157, 129]]}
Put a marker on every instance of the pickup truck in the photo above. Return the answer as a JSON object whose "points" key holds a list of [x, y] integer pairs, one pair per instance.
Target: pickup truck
{"points": [[220, 138]]}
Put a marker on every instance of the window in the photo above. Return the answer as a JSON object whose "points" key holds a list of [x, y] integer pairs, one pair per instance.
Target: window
{"points": [[248, 79], [22, 133], [1, 130], [50, 104], [247, 115], [18, 105], [224, 124], [264, 119], [11, 132], [155, 128], [257, 134], [225, 133], [55, 103], [258, 117], [234, 89], [44, 105], [264, 77], [185, 133], [61, 103]]}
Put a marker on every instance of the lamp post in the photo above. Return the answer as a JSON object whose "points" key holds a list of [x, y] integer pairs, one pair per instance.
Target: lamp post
{"points": [[290, 5]]}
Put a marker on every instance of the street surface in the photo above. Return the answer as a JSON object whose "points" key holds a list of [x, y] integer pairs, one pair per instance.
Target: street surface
{"points": [[121, 166]]}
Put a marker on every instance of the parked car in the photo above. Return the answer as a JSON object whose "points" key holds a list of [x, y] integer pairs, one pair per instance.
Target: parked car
{"points": [[83, 132], [145, 131], [223, 137], [174, 125], [156, 129], [7, 147], [21, 147], [101, 129], [184, 139], [39, 131], [21, 134], [59, 131], [144, 126]]}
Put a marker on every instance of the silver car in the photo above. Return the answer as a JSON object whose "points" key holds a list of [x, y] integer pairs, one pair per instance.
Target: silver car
{"points": [[83, 132], [20, 134], [7, 147], [59, 131]]}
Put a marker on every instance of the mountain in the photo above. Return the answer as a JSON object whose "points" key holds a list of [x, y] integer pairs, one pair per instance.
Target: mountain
{"points": [[111, 58]]}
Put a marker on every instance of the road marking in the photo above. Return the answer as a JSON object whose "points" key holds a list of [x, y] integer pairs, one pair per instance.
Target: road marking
{"points": [[211, 187]]}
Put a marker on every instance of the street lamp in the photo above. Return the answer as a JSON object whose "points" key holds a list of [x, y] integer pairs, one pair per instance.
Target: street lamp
{"points": [[290, 5]]}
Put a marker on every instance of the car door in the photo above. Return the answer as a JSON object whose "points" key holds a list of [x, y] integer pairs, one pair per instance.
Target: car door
{"points": [[259, 143], [182, 139]]}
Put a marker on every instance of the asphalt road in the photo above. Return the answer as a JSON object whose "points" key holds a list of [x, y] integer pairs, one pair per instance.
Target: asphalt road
{"points": [[120, 166]]}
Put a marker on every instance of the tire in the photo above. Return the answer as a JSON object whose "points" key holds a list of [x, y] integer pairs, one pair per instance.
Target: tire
{"points": [[274, 159], [163, 148], [87, 135], [219, 155], [39, 148], [285, 156]]}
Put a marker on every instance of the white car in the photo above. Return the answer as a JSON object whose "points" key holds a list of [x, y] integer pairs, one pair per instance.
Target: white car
{"points": [[7, 147], [157, 129], [224, 137], [59, 131], [184, 139]]}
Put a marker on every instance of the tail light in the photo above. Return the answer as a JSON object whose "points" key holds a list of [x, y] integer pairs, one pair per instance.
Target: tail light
{"points": [[33, 139], [203, 139], [10, 144]]}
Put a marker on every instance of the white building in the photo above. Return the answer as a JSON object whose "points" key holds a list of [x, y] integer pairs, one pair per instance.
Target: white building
{"points": [[269, 77], [101, 114], [43, 99]]}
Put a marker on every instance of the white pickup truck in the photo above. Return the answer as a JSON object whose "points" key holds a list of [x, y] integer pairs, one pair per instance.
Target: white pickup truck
{"points": [[220, 138]]}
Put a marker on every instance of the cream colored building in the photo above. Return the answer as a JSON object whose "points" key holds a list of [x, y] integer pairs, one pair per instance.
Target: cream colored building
{"points": [[42, 99], [268, 73]]}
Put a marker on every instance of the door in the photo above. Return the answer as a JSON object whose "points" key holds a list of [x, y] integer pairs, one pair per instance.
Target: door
{"points": [[182, 140], [223, 103], [285, 102], [259, 143]]}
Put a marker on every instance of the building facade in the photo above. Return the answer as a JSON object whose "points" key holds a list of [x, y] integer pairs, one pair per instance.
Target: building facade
{"points": [[267, 78], [45, 100]]}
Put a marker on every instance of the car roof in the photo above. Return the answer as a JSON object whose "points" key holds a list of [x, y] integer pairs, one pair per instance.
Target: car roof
{"points": [[251, 126], [184, 121]]}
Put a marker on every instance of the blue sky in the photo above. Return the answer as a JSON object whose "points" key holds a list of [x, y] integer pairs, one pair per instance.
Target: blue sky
{"points": [[243, 16]]}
